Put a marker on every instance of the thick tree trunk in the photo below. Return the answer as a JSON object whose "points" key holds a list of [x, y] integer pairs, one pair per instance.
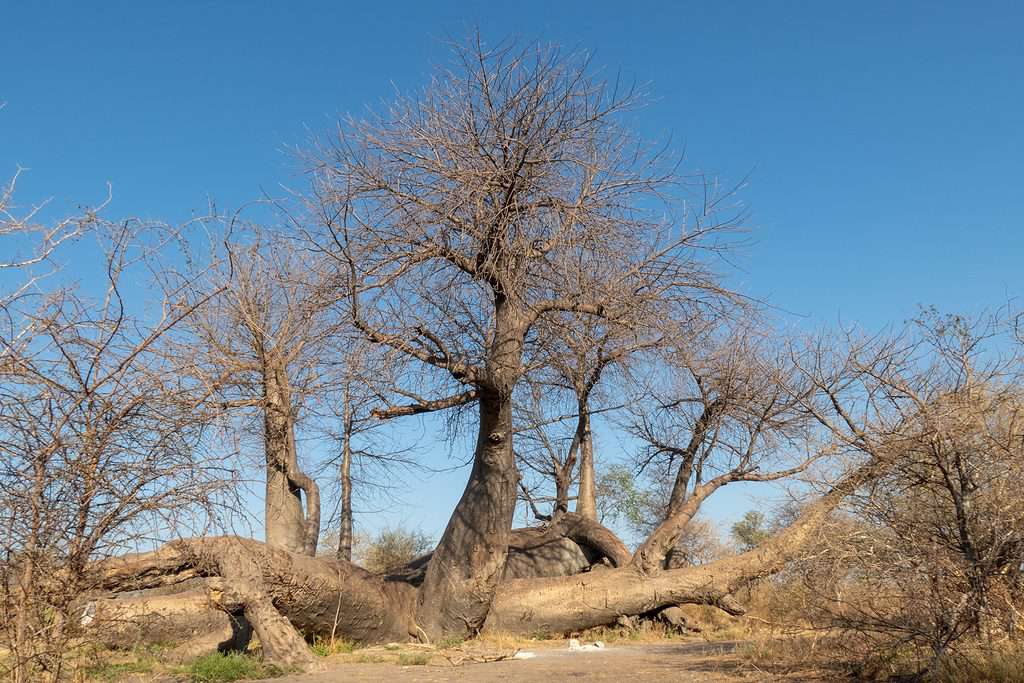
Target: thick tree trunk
{"points": [[283, 511], [595, 540], [470, 559], [190, 584], [468, 563], [182, 610], [316, 596], [586, 501], [599, 598], [284, 518]]}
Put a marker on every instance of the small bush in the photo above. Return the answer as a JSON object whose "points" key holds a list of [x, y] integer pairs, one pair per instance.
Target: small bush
{"points": [[391, 549], [413, 659], [325, 647], [450, 642], [217, 667]]}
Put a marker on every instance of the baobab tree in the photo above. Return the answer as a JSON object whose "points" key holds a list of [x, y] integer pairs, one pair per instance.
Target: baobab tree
{"points": [[507, 192], [258, 346], [731, 410]]}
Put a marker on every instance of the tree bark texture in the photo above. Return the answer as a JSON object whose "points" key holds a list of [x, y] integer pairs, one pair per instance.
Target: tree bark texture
{"points": [[469, 561]]}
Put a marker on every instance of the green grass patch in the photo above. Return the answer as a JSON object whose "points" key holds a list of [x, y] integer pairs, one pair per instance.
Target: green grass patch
{"points": [[95, 662], [217, 667], [413, 659]]}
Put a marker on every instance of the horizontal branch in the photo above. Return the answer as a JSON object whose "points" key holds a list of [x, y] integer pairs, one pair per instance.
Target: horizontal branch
{"points": [[425, 406]]}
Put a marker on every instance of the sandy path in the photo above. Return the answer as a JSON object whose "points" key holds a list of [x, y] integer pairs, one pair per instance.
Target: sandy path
{"points": [[684, 662]]}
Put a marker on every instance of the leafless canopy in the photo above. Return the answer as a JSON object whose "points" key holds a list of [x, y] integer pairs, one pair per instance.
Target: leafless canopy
{"points": [[511, 182]]}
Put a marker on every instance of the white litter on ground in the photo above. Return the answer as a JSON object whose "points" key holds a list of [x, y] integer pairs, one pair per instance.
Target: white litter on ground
{"points": [[575, 646]]}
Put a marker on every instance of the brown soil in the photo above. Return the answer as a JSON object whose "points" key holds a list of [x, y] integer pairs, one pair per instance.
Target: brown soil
{"points": [[697, 662]]}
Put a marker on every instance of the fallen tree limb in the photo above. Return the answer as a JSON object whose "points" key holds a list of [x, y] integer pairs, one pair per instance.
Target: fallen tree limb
{"points": [[287, 596]]}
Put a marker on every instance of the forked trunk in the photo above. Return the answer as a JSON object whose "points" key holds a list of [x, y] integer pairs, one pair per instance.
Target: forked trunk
{"points": [[287, 524], [654, 552]]}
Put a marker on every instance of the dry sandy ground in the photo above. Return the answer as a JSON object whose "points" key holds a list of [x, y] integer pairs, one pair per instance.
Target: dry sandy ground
{"points": [[678, 662]]}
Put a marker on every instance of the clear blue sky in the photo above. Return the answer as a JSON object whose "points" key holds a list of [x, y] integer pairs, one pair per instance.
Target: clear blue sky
{"points": [[886, 139]]}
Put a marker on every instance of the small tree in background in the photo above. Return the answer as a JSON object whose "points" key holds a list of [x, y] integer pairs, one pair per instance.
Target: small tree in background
{"points": [[750, 531], [390, 549]]}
